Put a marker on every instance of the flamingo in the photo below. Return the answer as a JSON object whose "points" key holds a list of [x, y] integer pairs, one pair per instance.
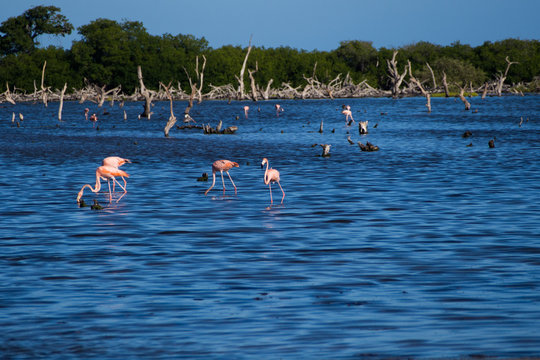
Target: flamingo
{"points": [[347, 112], [270, 176], [116, 162], [106, 173], [86, 110], [278, 109], [221, 166], [246, 110], [93, 118]]}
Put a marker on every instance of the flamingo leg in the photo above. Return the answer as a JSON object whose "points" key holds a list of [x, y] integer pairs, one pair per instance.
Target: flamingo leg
{"points": [[123, 188], [230, 178], [282, 192], [270, 188], [223, 182], [110, 193]]}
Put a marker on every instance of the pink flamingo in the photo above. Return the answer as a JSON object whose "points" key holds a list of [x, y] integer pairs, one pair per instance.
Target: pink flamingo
{"points": [[105, 173], [93, 118], [278, 109], [221, 166], [270, 176], [116, 162], [86, 113], [347, 112], [246, 110]]}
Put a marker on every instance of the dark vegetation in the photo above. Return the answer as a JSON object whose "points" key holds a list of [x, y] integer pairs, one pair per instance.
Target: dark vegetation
{"points": [[109, 52]]}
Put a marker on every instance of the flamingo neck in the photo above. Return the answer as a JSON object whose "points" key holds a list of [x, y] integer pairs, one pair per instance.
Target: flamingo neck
{"points": [[266, 177]]}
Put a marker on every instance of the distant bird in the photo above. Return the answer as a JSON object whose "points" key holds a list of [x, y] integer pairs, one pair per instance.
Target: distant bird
{"points": [[278, 109], [246, 110], [270, 176], [116, 161], [105, 173], [21, 117], [221, 166], [86, 113], [94, 119], [188, 119]]}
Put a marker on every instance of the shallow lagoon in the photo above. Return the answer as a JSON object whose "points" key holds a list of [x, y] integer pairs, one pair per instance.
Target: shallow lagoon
{"points": [[426, 248]]}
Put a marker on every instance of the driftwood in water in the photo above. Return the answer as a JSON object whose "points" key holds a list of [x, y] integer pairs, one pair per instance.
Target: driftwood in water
{"points": [[395, 77], [147, 94], [445, 85], [61, 102], [326, 150], [321, 127], [102, 94], [363, 127], [368, 147], [207, 129]]}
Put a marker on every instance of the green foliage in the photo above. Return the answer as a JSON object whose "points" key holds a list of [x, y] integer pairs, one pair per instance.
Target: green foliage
{"points": [[19, 34], [110, 51]]}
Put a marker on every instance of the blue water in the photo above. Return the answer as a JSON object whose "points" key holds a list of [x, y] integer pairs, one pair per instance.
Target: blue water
{"points": [[428, 248]]}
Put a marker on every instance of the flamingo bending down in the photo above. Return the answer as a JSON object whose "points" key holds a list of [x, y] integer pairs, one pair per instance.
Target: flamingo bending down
{"points": [[105, 173], [94, 119], [270, 176], [221, 166], [116, 161], [347, 113], [278, 109]]}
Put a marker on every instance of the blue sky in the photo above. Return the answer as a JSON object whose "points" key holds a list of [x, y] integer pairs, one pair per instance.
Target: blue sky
{"points": [[308, 24]]}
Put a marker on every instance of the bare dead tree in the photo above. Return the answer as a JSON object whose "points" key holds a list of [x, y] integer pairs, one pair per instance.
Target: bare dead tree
{"points": [[395, 77], [416, 82], [148, 95], [172, 118], [43, 89], [432, 76], [102, 94], [7, 95], [501, 78], [445, 85], [200, 76], [242, 70], [462, 97], [484, 92], [61, 102], [265, 93], [252, 81]]}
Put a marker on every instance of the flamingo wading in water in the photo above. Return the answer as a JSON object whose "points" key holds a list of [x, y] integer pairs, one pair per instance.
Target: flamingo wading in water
{"points": [[270, 176], [116, 161], [106, 173], [221, 166]]}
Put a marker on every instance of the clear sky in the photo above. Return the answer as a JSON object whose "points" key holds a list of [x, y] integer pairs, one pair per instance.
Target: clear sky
{"points": [[308, 24]]}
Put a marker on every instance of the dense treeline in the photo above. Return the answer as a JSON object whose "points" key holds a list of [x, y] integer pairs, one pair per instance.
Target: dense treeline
{"points": [[110, 51]]}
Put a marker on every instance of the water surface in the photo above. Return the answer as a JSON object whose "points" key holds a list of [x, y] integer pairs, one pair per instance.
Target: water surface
{"points": [[428, 248]]}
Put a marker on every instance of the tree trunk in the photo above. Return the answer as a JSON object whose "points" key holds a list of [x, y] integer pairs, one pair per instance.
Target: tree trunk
{"points": [[148, 95], [242, 70], [253, 84], [462, 97], [419, 85], [200, 77], [172, 118], [445, 84], [61, 102], [395, 77], [44, 91], [502, 77]]}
